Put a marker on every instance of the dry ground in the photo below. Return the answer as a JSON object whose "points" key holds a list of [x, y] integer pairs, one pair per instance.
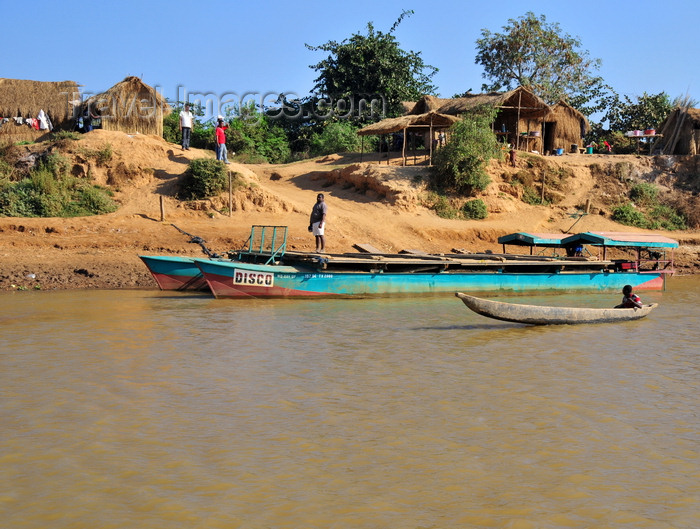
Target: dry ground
{"points": [[369, 202]]}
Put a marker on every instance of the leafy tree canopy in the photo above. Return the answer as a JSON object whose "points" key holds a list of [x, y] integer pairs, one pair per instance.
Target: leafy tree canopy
{"points": [[461, 163], [532, 53], [647, 112], [372, 65]]}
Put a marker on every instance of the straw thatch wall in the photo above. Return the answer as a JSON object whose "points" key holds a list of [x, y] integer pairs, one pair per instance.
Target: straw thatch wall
{"points": [[681, 132], [21, 98], [130, 106], [565, 126]]}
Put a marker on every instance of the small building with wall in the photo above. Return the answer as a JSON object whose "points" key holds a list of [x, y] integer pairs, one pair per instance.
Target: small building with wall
{"points": [[520, 120], [130, 106], [564, 128], [21, 102]]}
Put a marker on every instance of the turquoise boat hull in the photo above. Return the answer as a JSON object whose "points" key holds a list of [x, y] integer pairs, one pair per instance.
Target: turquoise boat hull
{"points": [[175, 273], [230, 279]]}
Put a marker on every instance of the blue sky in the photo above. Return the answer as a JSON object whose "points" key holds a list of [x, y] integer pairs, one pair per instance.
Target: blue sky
{"points": [[238, 47]]}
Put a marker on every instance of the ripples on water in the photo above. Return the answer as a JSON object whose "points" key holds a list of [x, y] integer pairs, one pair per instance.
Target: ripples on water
{"points": [[152, 410]]}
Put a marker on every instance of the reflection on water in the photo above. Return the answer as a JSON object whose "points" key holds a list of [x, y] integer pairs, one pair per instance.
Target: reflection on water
{"points": [[152, 410]]}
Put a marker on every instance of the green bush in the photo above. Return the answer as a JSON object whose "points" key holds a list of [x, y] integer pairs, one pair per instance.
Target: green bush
{"points": [[42, 194], [336, 137], [440, 204], [461, 164], [644, 194], [629, 215], [531, 196], [666, 218], [204, 178], [475, 209]]}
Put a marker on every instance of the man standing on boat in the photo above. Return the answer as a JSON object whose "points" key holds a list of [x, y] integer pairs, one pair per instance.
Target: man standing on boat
{"points": [[317, 222]]}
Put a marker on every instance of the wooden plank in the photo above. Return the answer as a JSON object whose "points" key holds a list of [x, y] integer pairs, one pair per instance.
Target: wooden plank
{"points": [[366, 248]]}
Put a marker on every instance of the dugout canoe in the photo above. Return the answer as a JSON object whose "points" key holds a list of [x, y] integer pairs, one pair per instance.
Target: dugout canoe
{"points": [[544, 315]]}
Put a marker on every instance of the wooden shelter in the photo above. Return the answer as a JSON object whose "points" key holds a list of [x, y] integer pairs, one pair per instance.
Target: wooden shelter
{"points": [[681, 132], [424, 123], [564, 128], [21, 100], [130, 106], [520, 120]]}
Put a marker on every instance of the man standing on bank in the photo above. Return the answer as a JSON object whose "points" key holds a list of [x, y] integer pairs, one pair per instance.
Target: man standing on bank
{"points": [[186, 118], [318, 222]]}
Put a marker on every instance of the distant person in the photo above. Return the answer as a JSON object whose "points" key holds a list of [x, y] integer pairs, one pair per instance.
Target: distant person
{"points": [[221, 153], [88, 118], [186, 119], [629, 300], [513, 156], [317, 222]]}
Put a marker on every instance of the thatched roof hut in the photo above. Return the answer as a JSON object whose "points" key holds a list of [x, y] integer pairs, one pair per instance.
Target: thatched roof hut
{"points": [[425, 124], [25, 99], [130, 106], [411, 121], [681, 132], [564, 127], [519, 122]]}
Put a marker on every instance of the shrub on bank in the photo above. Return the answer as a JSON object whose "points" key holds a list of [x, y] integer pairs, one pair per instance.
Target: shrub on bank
{"points": [[475, 209], [204, 178], [48, 193]]}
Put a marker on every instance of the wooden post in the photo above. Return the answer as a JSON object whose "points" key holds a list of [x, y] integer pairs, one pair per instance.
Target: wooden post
{"points": [[544, 179], [430, 141], [588, 206], [230, 194], [162, 209], [403, 147]]}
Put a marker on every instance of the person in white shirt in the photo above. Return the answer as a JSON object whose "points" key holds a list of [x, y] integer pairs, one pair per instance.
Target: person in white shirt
{"points": [[186, 119]]}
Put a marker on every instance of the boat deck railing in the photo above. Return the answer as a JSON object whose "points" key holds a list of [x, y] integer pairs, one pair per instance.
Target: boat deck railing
{"points": [[267, 243]]}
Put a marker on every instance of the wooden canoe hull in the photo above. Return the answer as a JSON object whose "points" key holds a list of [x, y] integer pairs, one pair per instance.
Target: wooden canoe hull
{"points": [[543, 315]]}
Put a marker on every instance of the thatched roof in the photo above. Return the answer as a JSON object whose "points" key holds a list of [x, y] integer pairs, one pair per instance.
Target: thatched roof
{"points": [[521, 97], [130, 106], [679, 131], [389, 125], [20, 98], [564, 109], [571, 126]]}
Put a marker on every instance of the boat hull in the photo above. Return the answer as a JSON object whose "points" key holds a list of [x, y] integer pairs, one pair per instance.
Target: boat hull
{"points": [[243, 280], [175, 273], [543, 315]]}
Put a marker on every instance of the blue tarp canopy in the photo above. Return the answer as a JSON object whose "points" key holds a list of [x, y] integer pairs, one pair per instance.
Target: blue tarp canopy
{"points": [[627, 240]]}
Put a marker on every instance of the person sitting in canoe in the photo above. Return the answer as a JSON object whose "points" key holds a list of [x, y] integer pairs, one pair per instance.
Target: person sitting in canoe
{"points": [[629, 300]]}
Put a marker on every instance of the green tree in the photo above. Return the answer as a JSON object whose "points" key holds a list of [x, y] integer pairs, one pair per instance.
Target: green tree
{"points": [[647, 112], [253, 133], [533, 53], [371, 66], [461, 164], [338, 136]]}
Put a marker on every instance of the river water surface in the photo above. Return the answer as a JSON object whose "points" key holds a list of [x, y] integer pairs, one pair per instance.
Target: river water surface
{"points": [[145, 409]]}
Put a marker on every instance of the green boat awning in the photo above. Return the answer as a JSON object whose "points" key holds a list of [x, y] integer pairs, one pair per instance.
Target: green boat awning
{"points": [[533, 239], [627, 240]]}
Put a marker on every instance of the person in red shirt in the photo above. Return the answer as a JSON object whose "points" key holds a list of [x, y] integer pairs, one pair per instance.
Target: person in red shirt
{"points": [[629, 300], [221, 153]]}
